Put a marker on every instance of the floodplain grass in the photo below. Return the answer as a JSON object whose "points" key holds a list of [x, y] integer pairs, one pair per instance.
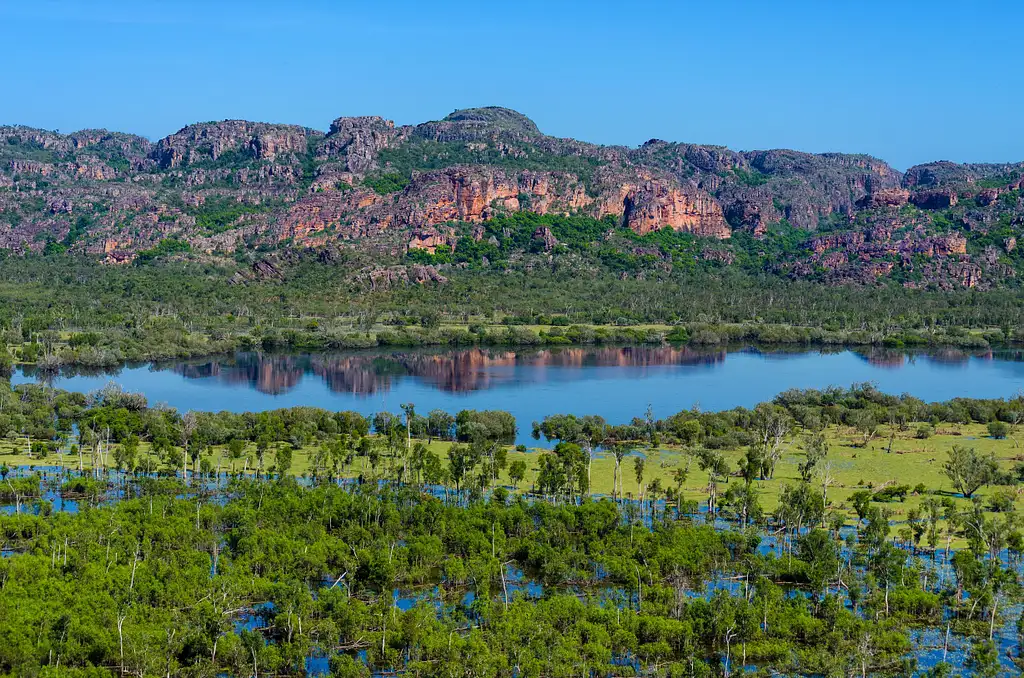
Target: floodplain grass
{"points": [[854, 464]]}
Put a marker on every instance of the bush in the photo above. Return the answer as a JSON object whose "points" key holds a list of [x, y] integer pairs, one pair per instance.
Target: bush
{"points": [[678, 334], [390, 182], [998, 430], [924, 431], [165, 247], [1002, 500], [892, 493]]}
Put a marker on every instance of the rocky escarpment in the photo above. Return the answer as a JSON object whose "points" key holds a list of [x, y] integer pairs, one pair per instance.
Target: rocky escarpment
{"points": [[368, 184], [210, 141]]}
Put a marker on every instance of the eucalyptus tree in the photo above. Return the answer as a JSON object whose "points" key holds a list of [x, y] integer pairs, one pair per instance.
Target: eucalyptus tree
{"points": [[771, 425], [188, 425], [714, 464], [968, 470]]}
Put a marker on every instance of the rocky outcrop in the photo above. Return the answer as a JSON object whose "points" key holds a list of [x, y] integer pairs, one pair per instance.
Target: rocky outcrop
{"points": [[233, 184], [265, 270], [358, 141], [546, 238], [850, 241], [430, 238], [722, 256], [934, 200], [479, 124], [886, 197], [654, 205], [379, 278], [209, 141], [329, 214], [945, 173]]}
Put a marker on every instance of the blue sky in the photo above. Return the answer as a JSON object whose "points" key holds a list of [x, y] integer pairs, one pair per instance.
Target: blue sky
{"points": [[905, 81]]}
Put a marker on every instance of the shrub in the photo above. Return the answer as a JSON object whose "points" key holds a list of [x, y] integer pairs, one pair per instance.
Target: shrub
{"points": [[390, 182], [998, 430], [1002, 500], [892, 493]]}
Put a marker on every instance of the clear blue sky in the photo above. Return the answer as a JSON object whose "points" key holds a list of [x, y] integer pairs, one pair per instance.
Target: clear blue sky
{"points": [[906, 81]]}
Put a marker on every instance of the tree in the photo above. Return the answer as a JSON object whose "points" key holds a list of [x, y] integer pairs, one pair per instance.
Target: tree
{"points": [[283, 460], [815, 450], [771, 424], [742, 502], [639, 465], [819, 551], [713, 463], [865, 423], [440, 424], [461, 462], [998, 430], [983, 659], [236, 447], [679, 475], [517, 472], [588, 432], [262, 445], [410, 413], [189, 424], [619, 452], [968, 470], [126, 453]]}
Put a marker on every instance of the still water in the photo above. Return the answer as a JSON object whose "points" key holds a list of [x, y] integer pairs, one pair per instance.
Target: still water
{"points": [[616, 382]]}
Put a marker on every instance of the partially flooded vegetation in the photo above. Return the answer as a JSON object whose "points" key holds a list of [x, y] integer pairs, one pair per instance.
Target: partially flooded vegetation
{"points": [[839, 532]]}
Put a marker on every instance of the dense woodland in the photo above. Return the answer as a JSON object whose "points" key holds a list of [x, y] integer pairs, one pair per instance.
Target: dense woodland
{"points": [[61, 310], [143, 541]]}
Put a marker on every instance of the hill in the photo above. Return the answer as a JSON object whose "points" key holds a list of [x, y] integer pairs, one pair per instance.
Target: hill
{"points": [[484, 187]]}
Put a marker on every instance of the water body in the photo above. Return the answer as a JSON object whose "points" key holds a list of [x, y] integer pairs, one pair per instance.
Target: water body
{"points": [[616, 382]]}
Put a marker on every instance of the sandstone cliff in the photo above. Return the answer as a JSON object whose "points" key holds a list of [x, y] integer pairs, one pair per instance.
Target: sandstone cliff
{"points": [[368, 184]]}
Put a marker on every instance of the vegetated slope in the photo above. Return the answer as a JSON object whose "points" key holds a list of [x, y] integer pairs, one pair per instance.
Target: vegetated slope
{"points": [[484, 187]]}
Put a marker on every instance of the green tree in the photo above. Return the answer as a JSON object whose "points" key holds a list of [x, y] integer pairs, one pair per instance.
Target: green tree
{"points": [[283, 460], [968, 470], [517, 472]]}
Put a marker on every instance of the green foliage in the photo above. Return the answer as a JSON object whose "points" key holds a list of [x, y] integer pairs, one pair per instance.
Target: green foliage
{"points": [[426, 154], [968, 470], [389, 182], [81, 226], [164, 248], [219, 214], [751, 177], [998, 429], [514, 233], [1000, 181], [782, 242], [53, 248]]}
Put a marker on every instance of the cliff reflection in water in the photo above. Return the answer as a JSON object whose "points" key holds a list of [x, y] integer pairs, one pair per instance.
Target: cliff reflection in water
{"points": [[457, 371]]}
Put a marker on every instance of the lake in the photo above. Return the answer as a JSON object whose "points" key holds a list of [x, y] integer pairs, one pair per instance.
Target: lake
{"points": [[616, 382]]}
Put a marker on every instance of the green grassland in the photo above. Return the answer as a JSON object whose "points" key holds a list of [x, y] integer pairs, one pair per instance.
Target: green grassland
{"points": [[854, 465]]}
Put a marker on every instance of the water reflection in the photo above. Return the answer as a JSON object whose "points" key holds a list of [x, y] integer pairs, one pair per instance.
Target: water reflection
{"points": [[369, 373], [618, 383], [480, 369]]}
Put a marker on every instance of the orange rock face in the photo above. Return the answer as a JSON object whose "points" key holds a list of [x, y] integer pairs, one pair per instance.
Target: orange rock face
{"points": [[308, 219], [462, 194], [887, 197], [474, 195], [954, 243], [654, 206]]}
